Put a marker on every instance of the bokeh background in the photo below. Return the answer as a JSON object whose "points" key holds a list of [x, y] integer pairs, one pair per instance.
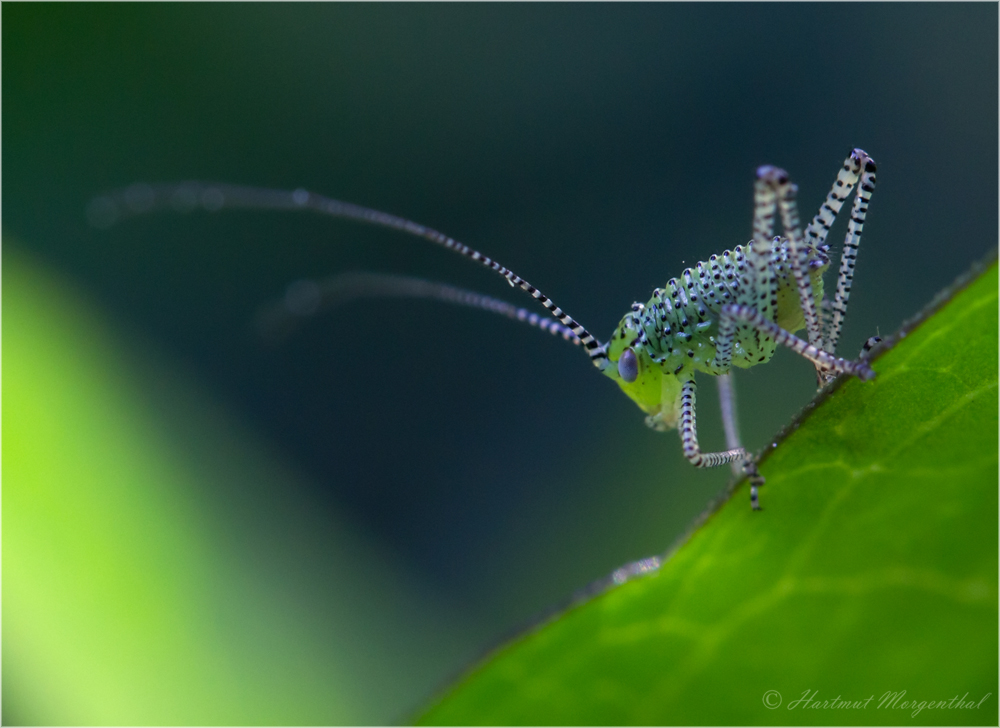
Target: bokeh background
{"points": [[199, 527]]}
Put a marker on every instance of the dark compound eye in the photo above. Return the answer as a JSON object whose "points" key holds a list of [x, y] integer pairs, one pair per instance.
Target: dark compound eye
{"points": [[628, 366]]}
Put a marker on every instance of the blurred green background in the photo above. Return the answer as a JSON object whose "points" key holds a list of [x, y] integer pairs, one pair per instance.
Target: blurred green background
{"points": [[201, 528]]}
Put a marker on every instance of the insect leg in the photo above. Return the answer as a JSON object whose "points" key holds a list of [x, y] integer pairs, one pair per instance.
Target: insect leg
{"points": [[821, 359], [848, 257], [773, 183], [689, 435], [847, 177], [730, 423], [689, 442], [866, 350], [759, 291], [752, 292]]}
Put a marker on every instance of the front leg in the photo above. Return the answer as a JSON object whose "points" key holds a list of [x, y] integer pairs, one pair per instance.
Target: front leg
{"points": [[689, 442]]}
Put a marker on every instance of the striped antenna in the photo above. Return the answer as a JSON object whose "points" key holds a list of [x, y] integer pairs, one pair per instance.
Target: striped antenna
{"points": [[305, 298], [106, 210]]}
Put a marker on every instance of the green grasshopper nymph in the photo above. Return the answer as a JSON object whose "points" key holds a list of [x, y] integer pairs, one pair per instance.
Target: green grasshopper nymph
{"points": [[732, 310]]}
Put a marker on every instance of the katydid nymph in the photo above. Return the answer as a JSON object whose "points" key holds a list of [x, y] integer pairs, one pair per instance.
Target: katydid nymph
{"points": [[732, 310]]}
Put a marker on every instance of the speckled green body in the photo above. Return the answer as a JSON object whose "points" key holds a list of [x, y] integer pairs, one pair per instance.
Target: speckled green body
{"points": [[674, 334]]}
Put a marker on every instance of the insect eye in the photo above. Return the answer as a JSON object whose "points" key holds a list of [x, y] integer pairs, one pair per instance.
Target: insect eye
{"points": [[628, 366]]}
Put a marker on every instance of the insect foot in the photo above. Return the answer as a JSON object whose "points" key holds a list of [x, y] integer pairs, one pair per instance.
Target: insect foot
{"points": [[756, 480]]}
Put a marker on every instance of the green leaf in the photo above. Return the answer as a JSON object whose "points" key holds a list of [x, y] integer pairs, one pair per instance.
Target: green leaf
{"points": [[871, 571]]}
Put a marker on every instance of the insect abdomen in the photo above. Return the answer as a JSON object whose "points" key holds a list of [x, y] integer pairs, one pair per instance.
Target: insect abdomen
{"points": [[678, 325]]}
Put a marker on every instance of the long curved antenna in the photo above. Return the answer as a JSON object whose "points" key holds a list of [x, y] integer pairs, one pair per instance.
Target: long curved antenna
{"points": [[106, 210], [305, 298]]}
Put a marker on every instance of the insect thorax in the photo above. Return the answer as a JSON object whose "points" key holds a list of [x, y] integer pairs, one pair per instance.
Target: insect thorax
{"points": [[674, 333]]}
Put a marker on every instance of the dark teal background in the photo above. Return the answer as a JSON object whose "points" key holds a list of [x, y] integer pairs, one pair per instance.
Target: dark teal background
{"points": [[594, 149]]}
